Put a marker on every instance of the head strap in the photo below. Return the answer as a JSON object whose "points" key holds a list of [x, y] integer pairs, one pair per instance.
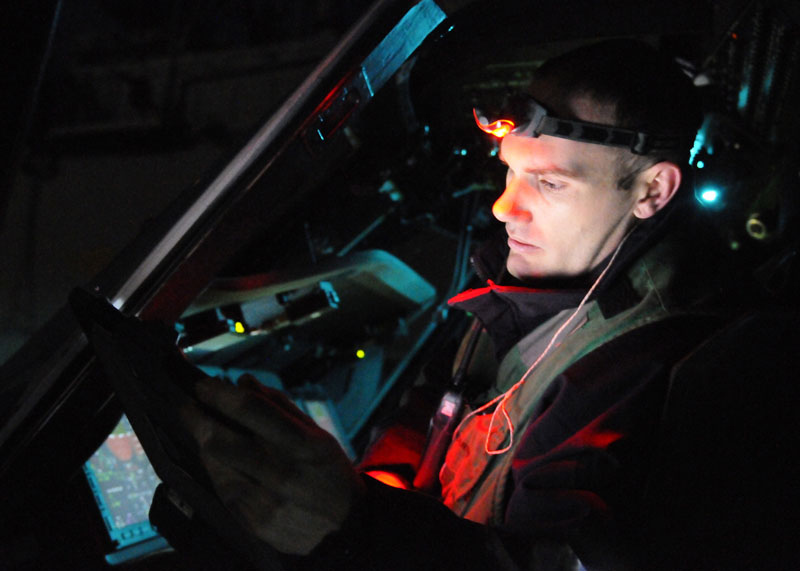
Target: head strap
{"points": [[531, 119]]}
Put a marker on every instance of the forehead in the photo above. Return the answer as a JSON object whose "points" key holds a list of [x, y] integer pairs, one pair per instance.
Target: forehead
{"points": [[585, 161]]}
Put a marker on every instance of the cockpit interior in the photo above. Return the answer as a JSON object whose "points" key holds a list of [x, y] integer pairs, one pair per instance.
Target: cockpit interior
{"points": [[317, 247]]}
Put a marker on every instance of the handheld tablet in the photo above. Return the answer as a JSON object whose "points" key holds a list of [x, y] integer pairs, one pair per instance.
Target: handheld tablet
{"points": [[152, 380]]}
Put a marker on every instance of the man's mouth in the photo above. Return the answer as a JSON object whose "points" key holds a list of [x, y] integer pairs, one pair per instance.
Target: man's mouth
{"points": [[519, 246]]}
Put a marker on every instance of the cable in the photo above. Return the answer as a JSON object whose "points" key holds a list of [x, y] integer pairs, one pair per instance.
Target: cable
{"points": [[504, 397]]}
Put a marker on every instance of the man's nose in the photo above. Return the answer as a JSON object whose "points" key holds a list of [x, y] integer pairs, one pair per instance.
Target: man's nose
{"points": [[507, 207]]}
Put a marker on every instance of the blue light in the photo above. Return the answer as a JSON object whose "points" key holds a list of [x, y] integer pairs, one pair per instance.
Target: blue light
{"points": [[700, 164], [699, 141], [744, 94], [710, 196], [768, 79]]}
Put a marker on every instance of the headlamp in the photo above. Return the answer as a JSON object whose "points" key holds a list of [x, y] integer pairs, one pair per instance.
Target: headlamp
{"points": [[527, 117]]}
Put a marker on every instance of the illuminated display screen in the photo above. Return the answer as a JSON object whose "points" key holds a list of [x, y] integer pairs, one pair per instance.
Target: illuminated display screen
{"points": [[123, 483]]}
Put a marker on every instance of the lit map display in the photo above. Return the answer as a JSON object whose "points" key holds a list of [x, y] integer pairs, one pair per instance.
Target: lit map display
{"points": [[123, 483]]}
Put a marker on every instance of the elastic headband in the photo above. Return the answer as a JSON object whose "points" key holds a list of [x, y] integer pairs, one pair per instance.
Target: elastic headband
{"points": [[527, 117]]}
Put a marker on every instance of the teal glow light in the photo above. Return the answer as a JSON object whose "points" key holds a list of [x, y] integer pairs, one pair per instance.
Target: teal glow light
{"points": [[700, 164], [768, 79], [744, 94], [699, 141], [710, 195]]}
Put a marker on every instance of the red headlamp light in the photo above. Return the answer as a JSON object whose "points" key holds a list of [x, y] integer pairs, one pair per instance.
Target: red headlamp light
{"points": [[499, 128]]}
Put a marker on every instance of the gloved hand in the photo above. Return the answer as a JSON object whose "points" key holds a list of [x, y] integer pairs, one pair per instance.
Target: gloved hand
{"points": [[287, 480]]}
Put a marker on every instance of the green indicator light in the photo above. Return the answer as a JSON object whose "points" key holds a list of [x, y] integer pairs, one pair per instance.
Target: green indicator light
{"points": [[361, 353], [700, 164]]}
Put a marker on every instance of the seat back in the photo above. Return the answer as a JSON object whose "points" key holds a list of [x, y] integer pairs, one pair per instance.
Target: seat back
{"points": [[723, 490]]}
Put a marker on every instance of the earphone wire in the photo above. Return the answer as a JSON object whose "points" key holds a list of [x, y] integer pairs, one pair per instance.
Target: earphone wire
{"points": [[504, 397]]}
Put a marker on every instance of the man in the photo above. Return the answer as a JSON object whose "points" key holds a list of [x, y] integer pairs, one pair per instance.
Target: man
{"points": [[590, 302]]}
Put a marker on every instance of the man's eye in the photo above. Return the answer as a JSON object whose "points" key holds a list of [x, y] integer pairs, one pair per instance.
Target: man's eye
{"points": [[549, 185]]}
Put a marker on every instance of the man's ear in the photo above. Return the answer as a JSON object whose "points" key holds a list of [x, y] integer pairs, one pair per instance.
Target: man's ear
{"points": [[657, 186]]}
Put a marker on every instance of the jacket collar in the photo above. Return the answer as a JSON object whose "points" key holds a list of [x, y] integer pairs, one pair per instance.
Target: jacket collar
{"points": [[509, 309]]}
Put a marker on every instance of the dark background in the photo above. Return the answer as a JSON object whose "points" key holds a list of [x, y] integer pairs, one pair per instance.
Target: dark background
{"points": [[111, 109]]}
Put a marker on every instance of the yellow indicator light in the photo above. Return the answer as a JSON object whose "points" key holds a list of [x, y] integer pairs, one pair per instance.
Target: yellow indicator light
{"points": [[499, 128], [238, 327], [361, 354]]}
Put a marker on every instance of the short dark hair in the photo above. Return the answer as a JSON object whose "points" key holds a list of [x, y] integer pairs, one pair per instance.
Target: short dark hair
{"points": [[646, 89]]}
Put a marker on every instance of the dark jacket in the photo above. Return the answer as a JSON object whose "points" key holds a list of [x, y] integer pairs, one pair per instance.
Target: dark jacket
{"points": [[571, 490]]}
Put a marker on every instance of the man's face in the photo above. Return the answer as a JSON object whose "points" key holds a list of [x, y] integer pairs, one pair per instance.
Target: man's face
{"points": [[561, 207]]}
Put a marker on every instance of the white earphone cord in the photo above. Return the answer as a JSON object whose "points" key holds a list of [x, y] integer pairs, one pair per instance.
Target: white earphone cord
{"points": [[502, 398]]}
